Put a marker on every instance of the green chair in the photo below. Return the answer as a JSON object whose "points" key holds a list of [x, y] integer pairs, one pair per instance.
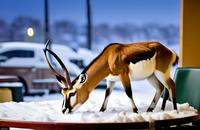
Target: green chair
{"points": [[187, 82]]}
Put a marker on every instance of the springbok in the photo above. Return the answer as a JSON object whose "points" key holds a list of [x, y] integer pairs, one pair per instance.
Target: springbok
{"points": [[124, 62]]}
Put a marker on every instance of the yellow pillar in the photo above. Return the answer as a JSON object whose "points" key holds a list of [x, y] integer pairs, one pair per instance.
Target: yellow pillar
{"points": [[190, 33]]}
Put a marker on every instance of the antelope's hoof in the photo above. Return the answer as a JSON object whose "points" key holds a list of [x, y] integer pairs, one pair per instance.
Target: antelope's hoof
{"points": [[135, 110], [176, 111], [102, 109], [150, 109]]}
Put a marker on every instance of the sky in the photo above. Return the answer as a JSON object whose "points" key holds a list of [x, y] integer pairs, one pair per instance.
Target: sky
{"points": [[103, 11]]}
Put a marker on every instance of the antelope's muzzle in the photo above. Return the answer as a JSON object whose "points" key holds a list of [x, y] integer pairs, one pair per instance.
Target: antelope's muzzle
{"points": [[66, 107]]}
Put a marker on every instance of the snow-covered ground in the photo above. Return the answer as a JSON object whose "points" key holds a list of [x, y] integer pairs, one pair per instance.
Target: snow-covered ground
{"points": [[118, 110], [48, 107]]}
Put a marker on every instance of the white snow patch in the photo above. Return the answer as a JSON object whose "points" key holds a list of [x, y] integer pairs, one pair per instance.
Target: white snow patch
{"points": [[118, 110]]}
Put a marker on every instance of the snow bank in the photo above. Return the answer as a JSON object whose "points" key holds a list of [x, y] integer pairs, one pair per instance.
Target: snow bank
{"points": [[118, 110]]}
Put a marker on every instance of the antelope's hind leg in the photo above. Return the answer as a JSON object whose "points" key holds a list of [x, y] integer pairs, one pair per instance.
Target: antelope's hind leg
{"points": [[124, 77], [110, 86], [159, 89], [170, 85], [165, 98], [172, 92]]}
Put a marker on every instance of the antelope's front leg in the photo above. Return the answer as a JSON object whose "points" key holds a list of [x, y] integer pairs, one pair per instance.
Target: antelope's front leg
{"points": [[110, 86], [159, 89], [124, 77]]}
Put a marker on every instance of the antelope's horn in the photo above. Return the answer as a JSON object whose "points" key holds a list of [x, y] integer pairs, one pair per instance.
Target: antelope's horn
{"points": [[66, 73]]}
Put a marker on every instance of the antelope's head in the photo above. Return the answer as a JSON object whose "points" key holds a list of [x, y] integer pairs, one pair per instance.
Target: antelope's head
{"points": [[72, 95]]}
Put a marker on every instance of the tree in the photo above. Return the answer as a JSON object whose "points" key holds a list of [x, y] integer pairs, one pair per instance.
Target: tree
{"points": [[19, 26], [64, 31], [4, 33], [102, 33]]}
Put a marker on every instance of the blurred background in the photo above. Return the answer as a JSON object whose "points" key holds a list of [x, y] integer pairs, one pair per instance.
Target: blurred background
{"points": [[78, 30], [111, 21]]}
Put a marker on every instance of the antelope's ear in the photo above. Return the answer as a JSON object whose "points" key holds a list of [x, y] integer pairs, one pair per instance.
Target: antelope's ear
{"points": [[62, 82], [83, 78]]}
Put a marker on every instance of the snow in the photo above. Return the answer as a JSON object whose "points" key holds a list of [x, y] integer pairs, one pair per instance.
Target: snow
{"points": [[118, 110]]}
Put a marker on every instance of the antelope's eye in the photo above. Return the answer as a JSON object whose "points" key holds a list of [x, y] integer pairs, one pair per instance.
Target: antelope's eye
{"points": [[83, 78]]}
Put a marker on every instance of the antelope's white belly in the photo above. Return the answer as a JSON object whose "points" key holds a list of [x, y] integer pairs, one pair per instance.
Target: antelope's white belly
{"points": [[139, 70]]}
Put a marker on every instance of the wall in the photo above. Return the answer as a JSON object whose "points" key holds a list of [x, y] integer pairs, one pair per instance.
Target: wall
{"points": [[190, 33]]}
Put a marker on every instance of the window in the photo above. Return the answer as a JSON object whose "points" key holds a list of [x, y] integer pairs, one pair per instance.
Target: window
{"points": [[78, 62], [18, 53]]}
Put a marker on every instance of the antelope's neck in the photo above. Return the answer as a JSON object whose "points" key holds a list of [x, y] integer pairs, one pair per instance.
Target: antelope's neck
{"points": [[96, 72]]}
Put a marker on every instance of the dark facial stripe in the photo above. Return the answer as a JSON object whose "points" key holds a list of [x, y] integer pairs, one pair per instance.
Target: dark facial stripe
{"points": [[66, 102], [66, 105]]}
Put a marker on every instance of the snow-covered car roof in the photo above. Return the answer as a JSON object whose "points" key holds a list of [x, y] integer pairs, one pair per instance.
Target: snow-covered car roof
{"points": [[64, 50]]}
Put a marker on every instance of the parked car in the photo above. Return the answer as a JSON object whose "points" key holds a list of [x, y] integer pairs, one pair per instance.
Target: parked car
{"points": [[27, 61]]}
